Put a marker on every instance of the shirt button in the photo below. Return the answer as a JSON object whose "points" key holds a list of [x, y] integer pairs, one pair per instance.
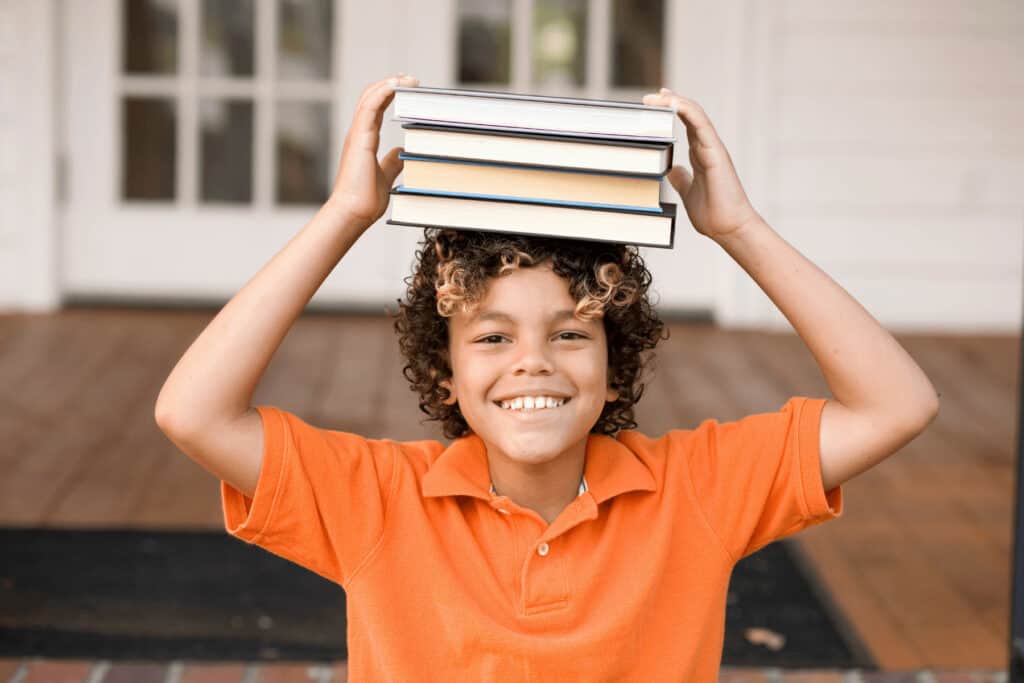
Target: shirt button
{"points": [[542, 549]]}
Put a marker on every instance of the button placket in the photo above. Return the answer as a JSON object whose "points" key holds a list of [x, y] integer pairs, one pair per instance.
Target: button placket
{"points": [[545, 582]]}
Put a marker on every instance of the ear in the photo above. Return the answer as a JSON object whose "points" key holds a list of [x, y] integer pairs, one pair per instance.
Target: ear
{"points": [[452, 398]]}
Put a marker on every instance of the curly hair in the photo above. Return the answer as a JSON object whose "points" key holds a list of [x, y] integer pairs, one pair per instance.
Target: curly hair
{"points": [[451, 271]]}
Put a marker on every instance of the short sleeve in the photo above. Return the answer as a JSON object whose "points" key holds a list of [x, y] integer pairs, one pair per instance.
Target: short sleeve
{"points": [[321, 497], [759, 479]]}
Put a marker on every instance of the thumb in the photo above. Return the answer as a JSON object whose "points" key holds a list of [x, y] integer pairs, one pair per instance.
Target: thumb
{"points": [[391, 165], [680, 179]]}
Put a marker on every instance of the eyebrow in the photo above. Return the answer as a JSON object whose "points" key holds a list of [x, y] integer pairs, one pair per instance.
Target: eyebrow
{"points": [[490, 314]]}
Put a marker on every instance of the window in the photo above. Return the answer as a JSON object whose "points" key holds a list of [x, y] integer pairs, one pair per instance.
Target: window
{"points": [[485, 50], [636, 46], [207, 84], [569, 46], [559, 34]]}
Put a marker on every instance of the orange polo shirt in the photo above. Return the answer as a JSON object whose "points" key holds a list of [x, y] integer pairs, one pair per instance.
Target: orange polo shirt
{"points": [[444, 581]]}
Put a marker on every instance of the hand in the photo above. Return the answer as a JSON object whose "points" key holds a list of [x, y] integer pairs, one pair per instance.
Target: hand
{"points": [[713, 196], [362, 186]]}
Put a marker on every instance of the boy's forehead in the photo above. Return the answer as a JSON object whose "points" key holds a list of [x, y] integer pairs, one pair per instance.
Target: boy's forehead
{"points": [[524, 295], [490, 314]]}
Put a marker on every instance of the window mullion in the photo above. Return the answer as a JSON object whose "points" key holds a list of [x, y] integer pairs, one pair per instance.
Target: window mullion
{"points": [[522, 66], [599, 49], [188, 106], [265, 112]]}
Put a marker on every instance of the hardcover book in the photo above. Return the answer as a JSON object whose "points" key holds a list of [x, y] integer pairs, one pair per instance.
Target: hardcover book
{"points": [[512, 111], [440, 174], [584, 154], [572, 220]]}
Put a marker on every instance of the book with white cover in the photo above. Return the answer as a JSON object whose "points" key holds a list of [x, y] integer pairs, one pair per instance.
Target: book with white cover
{"points": [[440, 174], [584, 154], [514, 111], [531, 217]]}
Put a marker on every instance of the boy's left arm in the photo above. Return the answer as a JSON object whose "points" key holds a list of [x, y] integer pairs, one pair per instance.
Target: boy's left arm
{"points": [[882, 397]]}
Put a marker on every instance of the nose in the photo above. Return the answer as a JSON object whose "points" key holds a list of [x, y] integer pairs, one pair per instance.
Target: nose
{"points": [[533, 358]]}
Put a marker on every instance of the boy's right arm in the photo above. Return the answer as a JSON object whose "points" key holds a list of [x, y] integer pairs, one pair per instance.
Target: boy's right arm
{"points": [[205, 406]]}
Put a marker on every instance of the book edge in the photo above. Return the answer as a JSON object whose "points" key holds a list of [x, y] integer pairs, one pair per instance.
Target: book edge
{"points": [[539, 167], [665, 209], [670, 245], [501, 95], [533, 133]]}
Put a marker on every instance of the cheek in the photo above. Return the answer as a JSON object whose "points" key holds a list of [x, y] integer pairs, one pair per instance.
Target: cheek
{"points": [[468, 373], [592, 373]]}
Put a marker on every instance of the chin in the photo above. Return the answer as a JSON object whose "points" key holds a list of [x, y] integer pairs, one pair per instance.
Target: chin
{"points": [[532, 451]]}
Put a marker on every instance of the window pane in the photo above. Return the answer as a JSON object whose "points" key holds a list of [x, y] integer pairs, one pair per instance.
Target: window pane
{"points": [[304, 39], [228, 30], [302, 136], [226, 150], [636, 60], [485, 41], [559, 42], [150, 36], [148, 147]]}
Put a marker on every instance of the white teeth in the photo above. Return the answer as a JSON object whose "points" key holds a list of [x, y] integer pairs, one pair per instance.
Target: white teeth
{"points": [[532, 403]]}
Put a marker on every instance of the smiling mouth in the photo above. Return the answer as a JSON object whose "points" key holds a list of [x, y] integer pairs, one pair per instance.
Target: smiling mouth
{"points": [[523, 405]]}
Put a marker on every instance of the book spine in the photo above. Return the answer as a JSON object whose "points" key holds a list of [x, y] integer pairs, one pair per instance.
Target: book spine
{"points": [[642, 143], [583, 135]]}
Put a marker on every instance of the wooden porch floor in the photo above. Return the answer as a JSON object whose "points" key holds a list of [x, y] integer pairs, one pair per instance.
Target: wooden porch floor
{"points": [[919, 562]]}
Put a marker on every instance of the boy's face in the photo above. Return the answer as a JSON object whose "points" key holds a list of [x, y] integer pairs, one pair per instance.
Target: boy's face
{"points": [[523, 340]]}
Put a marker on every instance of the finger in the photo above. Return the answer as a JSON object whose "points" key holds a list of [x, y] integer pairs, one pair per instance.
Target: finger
{"points": [[391, 165], [692, 115], [376, 99], [680, 179], [373, 87], [370, 111]]}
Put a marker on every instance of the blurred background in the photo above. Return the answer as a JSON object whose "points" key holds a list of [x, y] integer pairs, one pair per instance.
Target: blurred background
{"points": [[154, 154]]}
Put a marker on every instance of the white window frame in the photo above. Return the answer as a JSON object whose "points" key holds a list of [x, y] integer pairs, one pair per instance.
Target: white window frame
{"points": [[187, 87]]}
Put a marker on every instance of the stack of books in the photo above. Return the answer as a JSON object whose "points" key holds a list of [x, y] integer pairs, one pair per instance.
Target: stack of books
{"points": [[550, 166]]}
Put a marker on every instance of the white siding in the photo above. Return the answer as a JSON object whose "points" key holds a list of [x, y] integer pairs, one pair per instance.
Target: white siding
{"points": [[889, 149], [27, 109]]}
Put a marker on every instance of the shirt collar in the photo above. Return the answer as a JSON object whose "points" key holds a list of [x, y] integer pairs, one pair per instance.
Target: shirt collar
{"points": [[583, 487], [611, 468]]}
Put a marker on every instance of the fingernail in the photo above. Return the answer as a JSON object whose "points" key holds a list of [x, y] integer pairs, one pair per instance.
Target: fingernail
{"points": [[392, 81]]}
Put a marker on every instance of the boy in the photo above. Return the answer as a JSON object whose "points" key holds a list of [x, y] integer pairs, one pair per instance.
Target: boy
{"points": [[549, 541]]}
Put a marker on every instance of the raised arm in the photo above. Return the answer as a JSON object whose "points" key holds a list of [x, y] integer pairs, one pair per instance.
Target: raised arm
{"points": [[882, 397], [204, 406]]}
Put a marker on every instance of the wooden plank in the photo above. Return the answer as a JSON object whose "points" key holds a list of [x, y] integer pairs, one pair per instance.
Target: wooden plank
{"points": [[919, 561]]}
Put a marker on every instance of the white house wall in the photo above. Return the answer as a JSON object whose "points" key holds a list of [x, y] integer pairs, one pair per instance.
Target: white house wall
{"points": [[28, 266], [886, 144]]}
